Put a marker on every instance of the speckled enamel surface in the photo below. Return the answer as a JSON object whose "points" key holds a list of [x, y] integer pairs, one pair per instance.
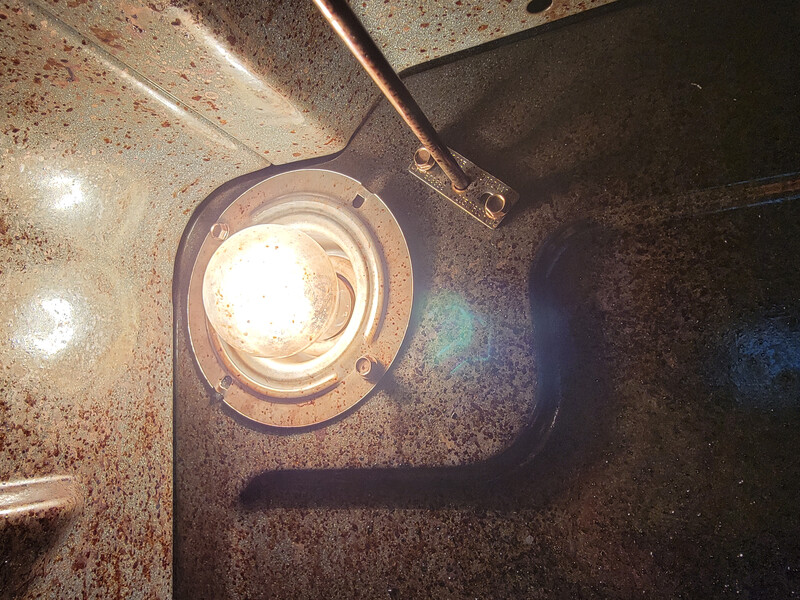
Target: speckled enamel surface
{"points": [[412, 32], [117, 120], [97, 178], [660, 321], [274, 75]]}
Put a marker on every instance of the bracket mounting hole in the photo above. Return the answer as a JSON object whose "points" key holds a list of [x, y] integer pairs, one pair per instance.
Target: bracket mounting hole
{"points": [[538, 6]]}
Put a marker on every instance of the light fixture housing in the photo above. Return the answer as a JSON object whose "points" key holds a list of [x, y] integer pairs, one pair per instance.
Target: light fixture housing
{"points": [[357, 328]]}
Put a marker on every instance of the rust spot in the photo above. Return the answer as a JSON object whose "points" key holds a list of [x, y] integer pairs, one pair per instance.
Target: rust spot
{"points": [[183, 191], [107, 36], [176, 22], [53, 63]]}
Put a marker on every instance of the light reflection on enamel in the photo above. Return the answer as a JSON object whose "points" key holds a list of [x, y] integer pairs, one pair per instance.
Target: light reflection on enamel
{"points": [[51, 327], [67, 191], [66, 328]]}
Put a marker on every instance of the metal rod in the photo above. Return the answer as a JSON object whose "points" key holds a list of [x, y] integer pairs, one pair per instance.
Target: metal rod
{"points": [[344, 21]]}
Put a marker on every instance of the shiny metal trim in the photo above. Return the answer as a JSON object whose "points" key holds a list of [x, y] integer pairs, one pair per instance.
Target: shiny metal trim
{"points": [[369, 247]]}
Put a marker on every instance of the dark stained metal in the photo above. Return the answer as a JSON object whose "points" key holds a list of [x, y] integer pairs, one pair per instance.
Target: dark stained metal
{"points": [[341, 17]]}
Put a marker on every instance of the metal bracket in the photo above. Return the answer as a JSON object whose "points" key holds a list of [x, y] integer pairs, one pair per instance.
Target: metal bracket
{"points": [[487, 198]]}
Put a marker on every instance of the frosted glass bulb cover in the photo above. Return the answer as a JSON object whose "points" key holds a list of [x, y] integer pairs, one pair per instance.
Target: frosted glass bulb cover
{"points": [[270, 291]]}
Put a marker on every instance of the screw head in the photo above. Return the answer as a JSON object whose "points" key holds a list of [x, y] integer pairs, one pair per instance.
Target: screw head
{"points": [[366, 366], [224, 384], [424, 160], [494, 205], [220, 231]]}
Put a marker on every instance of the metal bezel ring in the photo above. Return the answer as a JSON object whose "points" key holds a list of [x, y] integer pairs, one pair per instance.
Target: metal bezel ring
{"points": [[365, 242]]}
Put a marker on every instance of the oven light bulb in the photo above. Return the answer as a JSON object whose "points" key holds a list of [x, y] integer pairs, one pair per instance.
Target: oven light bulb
{"points": [[270, 291]]}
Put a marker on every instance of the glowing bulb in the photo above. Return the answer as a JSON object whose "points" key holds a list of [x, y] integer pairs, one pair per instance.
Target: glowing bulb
{"points": [[270, 291]]}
